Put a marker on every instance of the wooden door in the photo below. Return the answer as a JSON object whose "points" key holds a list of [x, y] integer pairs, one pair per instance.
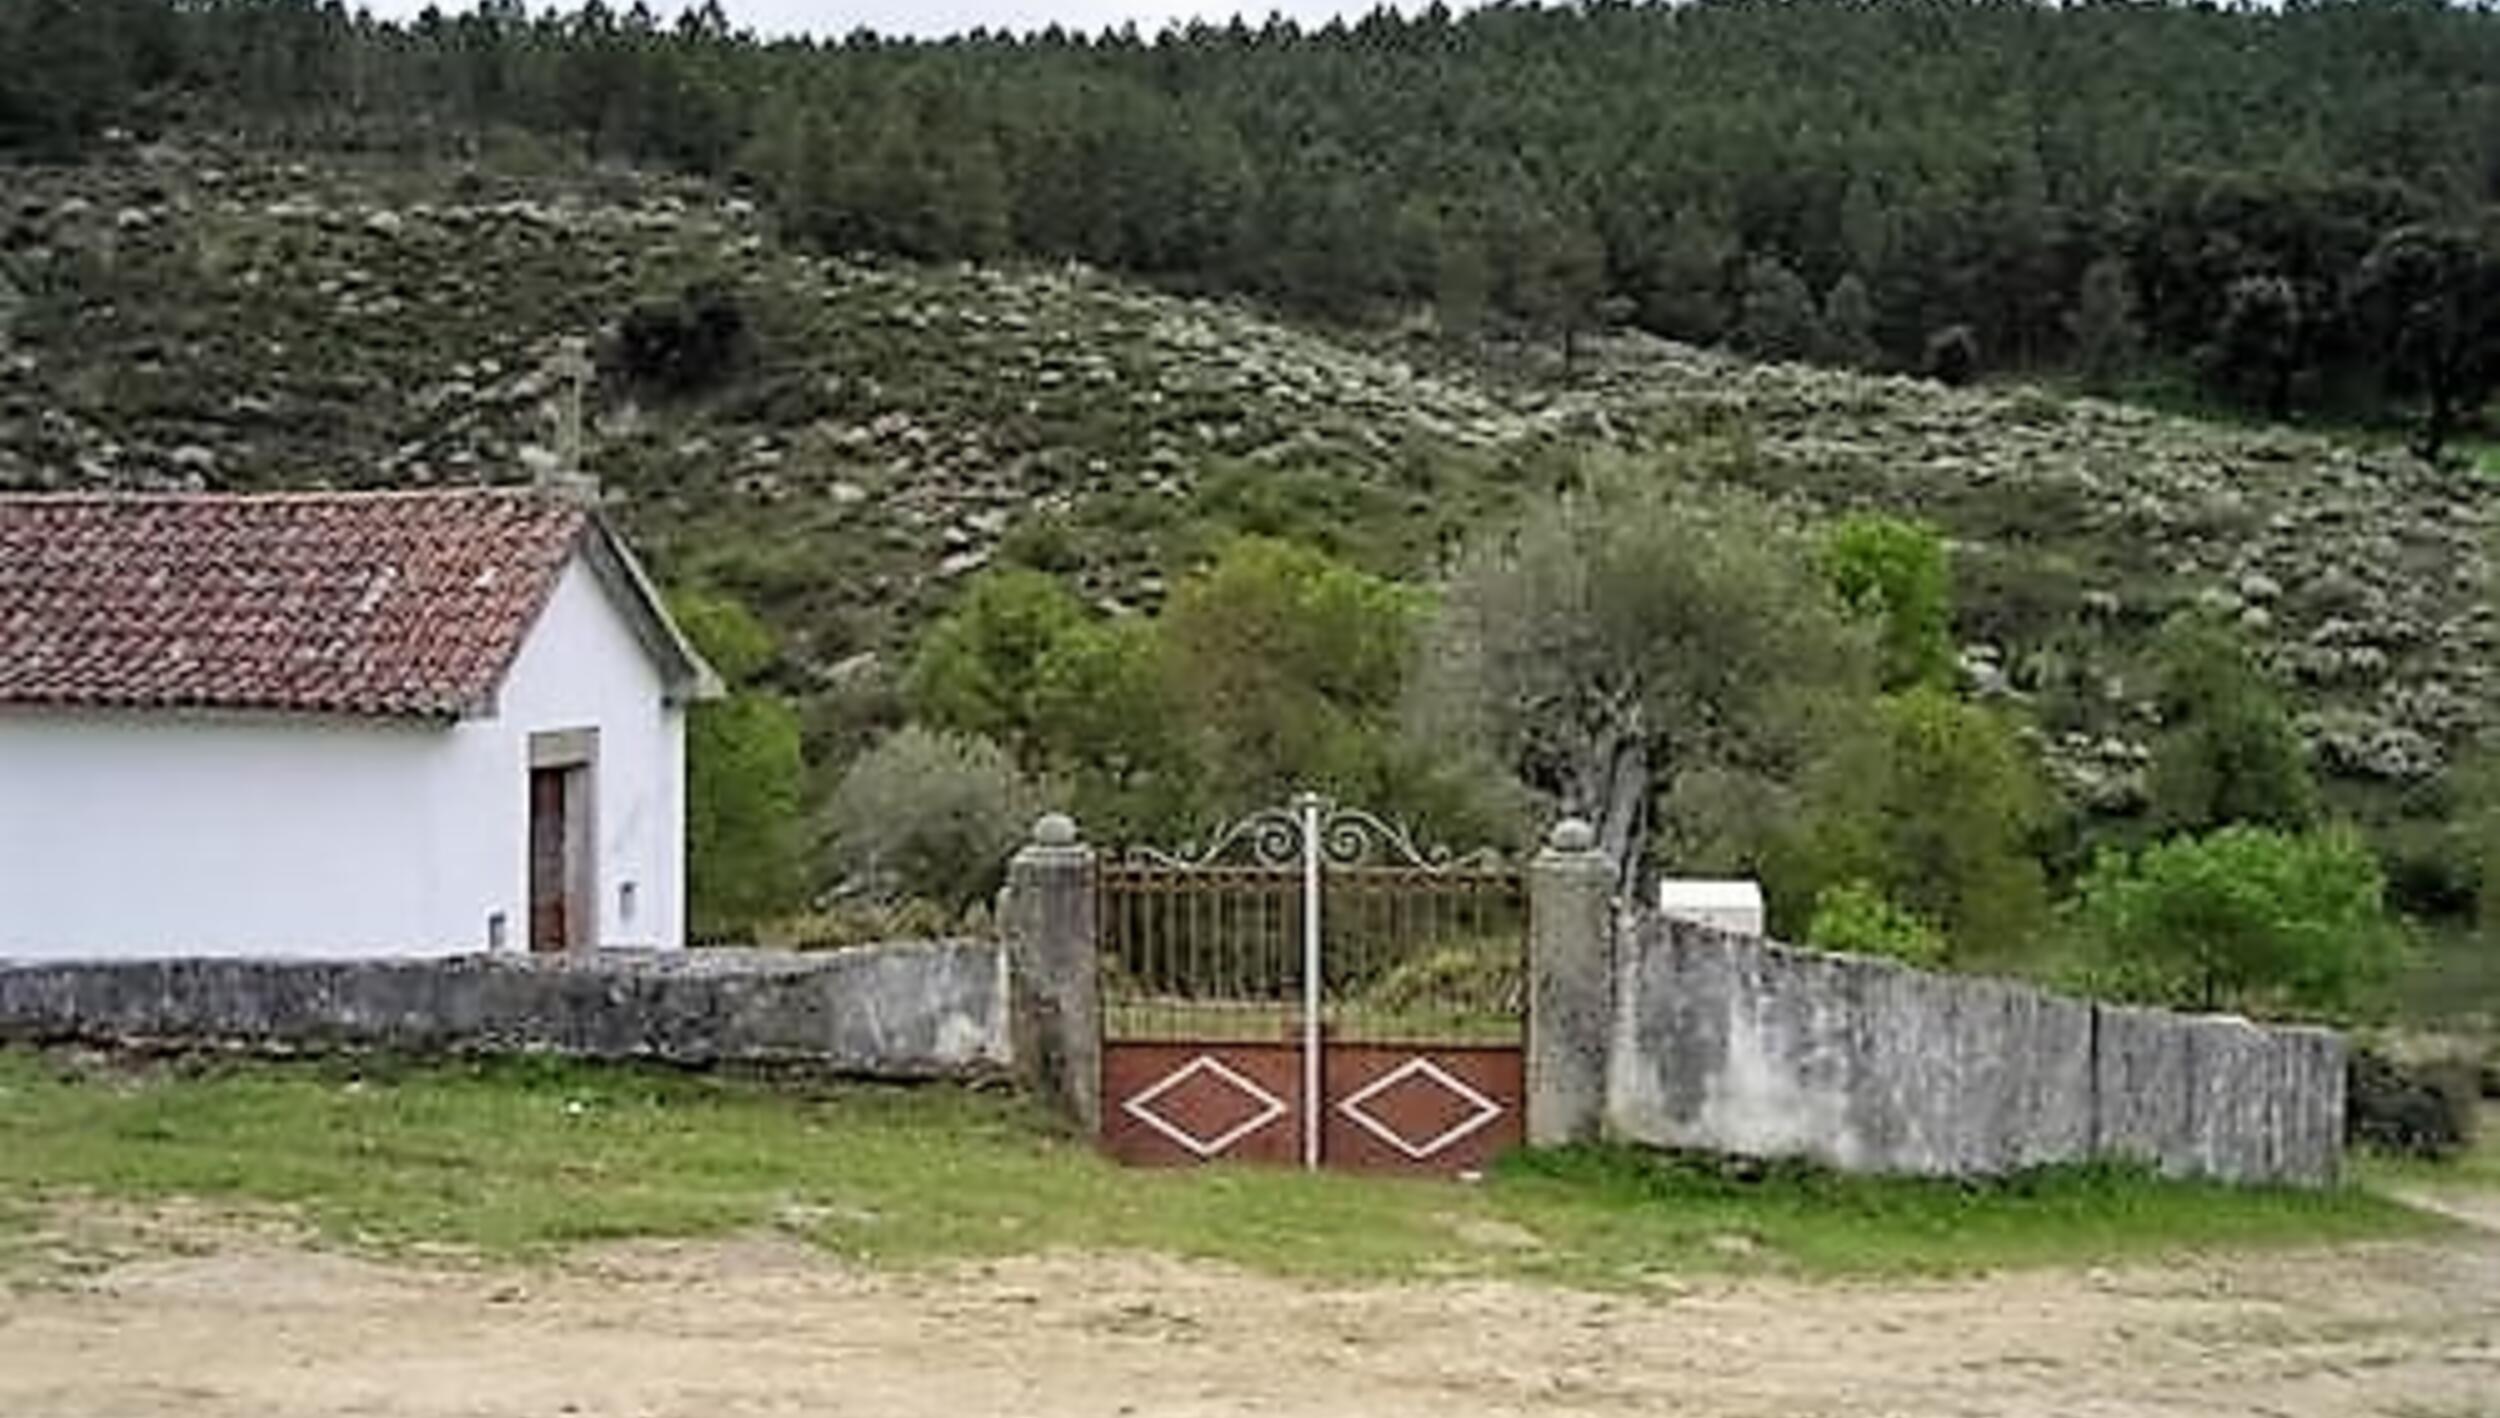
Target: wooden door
{"points": [[551, 926]]}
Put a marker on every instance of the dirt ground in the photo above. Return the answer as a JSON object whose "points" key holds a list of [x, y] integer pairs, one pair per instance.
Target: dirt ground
{"points": [[253, 1323]]}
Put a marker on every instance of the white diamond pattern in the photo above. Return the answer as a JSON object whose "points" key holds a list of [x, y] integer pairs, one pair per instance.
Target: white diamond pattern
{"points": [[1140, 1106], [1483, 1109]]}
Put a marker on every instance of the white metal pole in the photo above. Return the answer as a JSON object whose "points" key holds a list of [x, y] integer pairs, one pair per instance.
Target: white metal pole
{"points": [[1309, 804]]}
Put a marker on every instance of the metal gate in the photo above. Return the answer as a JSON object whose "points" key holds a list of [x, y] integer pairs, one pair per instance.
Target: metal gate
{"points": [[1313, 989]]}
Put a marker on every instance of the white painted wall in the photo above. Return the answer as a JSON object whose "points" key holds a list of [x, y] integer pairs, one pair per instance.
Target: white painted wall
{"points": [[137, 834]]}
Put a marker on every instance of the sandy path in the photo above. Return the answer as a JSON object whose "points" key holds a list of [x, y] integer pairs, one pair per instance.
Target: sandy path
{"points": [[762, 1326]]}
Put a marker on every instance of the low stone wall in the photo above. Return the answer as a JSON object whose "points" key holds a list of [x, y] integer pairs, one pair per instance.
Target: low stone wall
{"points": [[1733, 1045], [899, 1011]]}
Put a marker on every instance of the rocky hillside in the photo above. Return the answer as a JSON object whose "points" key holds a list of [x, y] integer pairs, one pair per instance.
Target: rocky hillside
{"points": [[201, 317]]}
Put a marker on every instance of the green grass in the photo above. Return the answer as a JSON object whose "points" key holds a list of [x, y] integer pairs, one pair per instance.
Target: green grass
{"points": [[524, 1158]]}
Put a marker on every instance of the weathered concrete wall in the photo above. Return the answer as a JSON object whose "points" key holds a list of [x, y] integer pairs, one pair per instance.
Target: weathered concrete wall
{"points": [[900, 1011], [1730, 1044]]}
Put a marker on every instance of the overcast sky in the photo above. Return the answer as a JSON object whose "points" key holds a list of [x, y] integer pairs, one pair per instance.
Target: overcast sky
{"points": [[942, 17]]}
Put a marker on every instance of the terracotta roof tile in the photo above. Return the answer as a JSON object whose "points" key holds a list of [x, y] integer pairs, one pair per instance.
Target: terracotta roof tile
{"points": [[401, 604]]}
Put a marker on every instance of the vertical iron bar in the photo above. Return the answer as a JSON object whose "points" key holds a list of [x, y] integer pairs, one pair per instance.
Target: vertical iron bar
{"points": [[1309, 806]]}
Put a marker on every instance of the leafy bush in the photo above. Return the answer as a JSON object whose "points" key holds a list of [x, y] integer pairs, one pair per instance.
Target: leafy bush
{"points": [[1288, 665], [2246, 918], [1938, 807], [1853, 918], [1273, 669], [2422, 1111], [684, 346], [744, 854], [841, 925], [2228, 751], [981, 668], [1952, 355], [744, 771], [1896, 572], [932, 817]]}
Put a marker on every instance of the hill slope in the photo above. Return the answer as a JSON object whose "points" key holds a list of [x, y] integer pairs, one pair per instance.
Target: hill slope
{"points": [[197, 316]]}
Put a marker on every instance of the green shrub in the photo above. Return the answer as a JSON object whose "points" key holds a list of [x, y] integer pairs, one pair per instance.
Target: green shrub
{"points": [[1940, 808], [1287, 665], [684, 346], [2245, 918], [745, 774], [1854, 918], [1896, 571], [932, 817], [1485, 977], [979, 668], [2228, 751]]}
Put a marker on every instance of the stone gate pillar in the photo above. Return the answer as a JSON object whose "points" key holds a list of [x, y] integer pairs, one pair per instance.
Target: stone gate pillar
{"points": [[1571, 984], [1048, 922]]}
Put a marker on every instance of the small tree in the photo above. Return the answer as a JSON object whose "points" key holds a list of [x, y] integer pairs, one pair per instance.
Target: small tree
{"points": [[1020, 663], [1952, 356], [1289, 667], [1775, 316], [981, 668], [1896, 572], [1939, 809], [933, 817], [1849, 324], [2259, 341], [2106, 332], [744, 772], [2245, 918], [2430, 296], [2228, 751]]}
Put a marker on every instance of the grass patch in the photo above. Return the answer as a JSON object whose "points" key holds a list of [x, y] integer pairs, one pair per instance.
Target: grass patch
{"points": [[522, 1158]]}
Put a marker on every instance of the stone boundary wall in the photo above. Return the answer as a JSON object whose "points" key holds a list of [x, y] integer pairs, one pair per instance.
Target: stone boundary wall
{"points": [[895, 1011], [1731, 1044]]}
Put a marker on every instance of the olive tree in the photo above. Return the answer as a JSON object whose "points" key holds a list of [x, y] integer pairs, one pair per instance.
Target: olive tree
{"points": [[1635, 639], [930, 816]]}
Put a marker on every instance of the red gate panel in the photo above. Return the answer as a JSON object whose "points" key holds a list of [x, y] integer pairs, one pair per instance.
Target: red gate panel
{"points": [[1442, 1110], [1173, 1104], [1389, 1108]]}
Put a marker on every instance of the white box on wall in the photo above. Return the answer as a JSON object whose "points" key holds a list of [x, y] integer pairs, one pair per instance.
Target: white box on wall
{"points": [[1731, 906]]}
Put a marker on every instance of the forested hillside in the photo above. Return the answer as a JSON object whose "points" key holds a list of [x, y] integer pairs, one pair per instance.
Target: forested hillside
{"points": [[1374, 438], [2286, 208]]}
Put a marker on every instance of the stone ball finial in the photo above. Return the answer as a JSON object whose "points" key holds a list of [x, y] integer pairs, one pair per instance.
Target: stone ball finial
{"points": [[1054, 829], [1573, 834]]}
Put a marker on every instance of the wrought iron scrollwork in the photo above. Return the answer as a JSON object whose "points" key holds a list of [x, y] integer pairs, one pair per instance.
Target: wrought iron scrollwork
{"points": [[1346, 837]]}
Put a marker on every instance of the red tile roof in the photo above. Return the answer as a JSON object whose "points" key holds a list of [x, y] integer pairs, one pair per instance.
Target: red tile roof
{"points": [[405, 604]]}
